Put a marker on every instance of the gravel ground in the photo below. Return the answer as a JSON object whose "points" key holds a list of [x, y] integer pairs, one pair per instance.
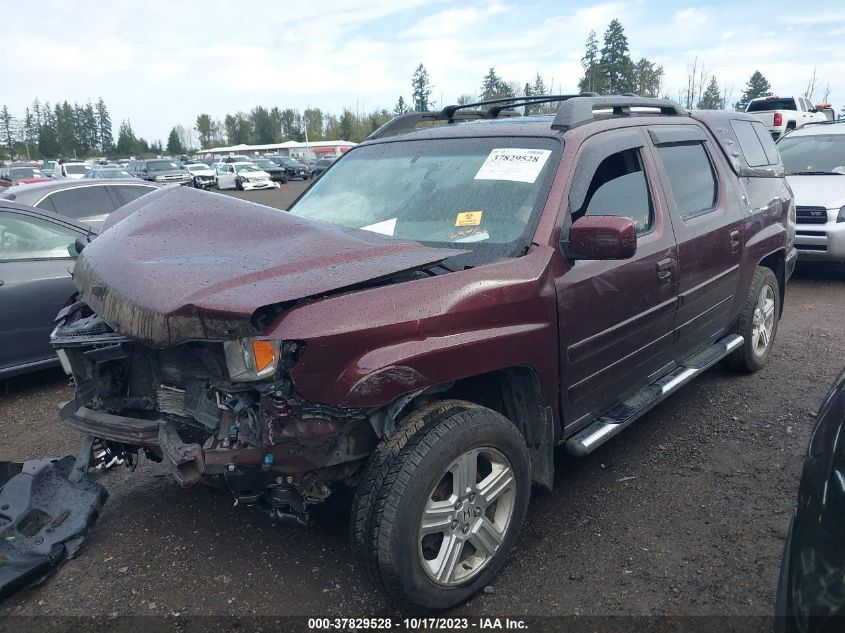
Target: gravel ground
{"points": [[683, 514]]}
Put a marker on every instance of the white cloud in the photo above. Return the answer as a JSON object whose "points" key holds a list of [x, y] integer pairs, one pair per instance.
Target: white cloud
{"points": [[161, 63], [452, 21]]}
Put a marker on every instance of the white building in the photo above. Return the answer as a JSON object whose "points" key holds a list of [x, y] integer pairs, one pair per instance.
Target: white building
{"points": [[313, 150]]}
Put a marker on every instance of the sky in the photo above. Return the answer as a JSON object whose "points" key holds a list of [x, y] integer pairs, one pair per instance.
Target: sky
{"points": [[160, 63]]}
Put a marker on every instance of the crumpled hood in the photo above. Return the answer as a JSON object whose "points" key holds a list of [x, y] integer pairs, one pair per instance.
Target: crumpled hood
{"points": [[191, 265], [818, 191]]}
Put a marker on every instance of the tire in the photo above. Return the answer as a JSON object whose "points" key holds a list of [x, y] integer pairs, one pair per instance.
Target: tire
{"points": [[238, 185], [761, 308], [421, 466]]}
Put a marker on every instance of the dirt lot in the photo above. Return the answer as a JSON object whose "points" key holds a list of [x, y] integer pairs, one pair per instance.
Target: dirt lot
{"points": [[683, 514]]}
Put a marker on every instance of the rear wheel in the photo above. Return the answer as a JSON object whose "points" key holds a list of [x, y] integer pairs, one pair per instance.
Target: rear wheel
{"points": [[441, 504], [758, 322]]}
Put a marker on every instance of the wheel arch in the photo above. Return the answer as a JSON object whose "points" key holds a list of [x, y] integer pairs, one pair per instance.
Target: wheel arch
{"points": [[776, 262], [514, 392]]}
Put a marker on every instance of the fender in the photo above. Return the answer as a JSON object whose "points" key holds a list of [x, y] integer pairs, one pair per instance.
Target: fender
{"points": [[366, 348]]}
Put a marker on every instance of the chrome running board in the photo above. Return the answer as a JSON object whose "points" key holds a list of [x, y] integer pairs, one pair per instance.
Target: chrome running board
{"points": [[623, 415]]}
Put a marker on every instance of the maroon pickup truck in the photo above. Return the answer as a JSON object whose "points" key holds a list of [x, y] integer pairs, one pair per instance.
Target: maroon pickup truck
{"points": [[435, 314]]}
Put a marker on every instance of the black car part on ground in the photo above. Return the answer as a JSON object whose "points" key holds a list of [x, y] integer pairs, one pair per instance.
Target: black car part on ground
{"points": [[44, 517]]}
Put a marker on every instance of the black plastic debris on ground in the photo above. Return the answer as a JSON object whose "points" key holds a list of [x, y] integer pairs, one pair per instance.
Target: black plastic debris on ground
{"points": [[43, 518]]}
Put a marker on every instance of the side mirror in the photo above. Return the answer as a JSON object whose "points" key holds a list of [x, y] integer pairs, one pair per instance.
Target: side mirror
{"points": [[81, 242], [601, 237]]}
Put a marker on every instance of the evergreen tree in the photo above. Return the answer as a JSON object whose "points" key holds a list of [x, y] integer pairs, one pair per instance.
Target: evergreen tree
{"points": [[36, 112], [65, 129], [494, 87], [421, 89], [590, 63], [127, 144], [89, 129], [291, 125], [30, 131], [346, 124], [616, 72], [8, 129], [238, 128], [263, 130], [174, 144], [204, 130], [711, 99], [48, 142], [104, 129], [757, 86], [401, 107], [313, 120], [648, 78], [539, 85]]}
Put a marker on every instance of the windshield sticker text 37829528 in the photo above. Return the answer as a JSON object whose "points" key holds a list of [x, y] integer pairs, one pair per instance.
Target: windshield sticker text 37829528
{"points": [[514, 164]]}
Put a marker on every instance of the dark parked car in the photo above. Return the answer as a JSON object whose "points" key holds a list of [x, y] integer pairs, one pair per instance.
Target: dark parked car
{"points": [[433, 316], [162, 171], [81, 200], [811, 587], [36, 252], [277, 173], [320, 166], [20, 175], [293, 168]]}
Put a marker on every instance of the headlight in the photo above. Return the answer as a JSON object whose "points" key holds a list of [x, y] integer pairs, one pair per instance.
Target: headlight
{"points": [[841, 216], [251, 359], [159, 178]]}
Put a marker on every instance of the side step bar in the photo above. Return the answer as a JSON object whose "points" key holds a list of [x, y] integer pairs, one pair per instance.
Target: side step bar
{"points": [[623, 415]]}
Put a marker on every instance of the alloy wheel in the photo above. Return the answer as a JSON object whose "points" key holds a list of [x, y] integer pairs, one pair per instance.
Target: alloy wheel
{"points": [[466, 516]]}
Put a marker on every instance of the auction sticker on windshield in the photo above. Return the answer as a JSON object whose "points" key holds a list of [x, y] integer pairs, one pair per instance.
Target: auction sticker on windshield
{"points": [[468, 218], [517, 165]]}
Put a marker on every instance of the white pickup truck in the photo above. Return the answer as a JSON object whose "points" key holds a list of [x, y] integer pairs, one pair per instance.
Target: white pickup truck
{"points": [[782, 114]]}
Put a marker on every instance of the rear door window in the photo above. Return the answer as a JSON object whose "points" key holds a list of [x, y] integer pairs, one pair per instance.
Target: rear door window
{"points": [[750, 143], [81, 202], [691, 177], [128, 193]]}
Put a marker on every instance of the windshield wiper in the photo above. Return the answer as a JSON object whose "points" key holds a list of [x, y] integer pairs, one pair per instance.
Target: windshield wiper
{"points": [[814, 173]]}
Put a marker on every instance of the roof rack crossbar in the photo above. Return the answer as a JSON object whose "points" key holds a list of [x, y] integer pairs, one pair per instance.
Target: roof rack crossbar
{"points": [[574, 112], [575, 109]]}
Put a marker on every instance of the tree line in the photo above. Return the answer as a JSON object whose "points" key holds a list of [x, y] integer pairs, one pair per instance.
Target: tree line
{"points": [[46, 131]]}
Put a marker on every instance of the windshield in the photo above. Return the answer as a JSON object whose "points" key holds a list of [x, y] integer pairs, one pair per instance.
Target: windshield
{"points": [[813, 153], [245, 168], [115, 173], [265, 163], [324, 162], [193, 168], [77, 169], [160, 165], [19, 173], [771, 104], [478, 194]]}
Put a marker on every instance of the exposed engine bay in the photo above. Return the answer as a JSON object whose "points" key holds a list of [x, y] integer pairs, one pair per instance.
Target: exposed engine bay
{"points": [[260, 440]]}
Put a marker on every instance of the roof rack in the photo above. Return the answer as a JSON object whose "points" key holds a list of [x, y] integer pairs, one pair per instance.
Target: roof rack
{"points": [[575, 109], [577, 112]]}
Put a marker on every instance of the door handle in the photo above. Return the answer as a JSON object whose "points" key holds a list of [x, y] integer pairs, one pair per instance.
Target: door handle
{"points": [[736, 240], [664, 271]]}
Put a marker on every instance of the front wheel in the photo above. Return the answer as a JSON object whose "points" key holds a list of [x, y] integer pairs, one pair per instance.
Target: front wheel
{"points": [[758, 322], [441, 504]]}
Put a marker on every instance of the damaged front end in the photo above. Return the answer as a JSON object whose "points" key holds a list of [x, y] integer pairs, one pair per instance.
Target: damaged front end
{"points": [[225, 413]]}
